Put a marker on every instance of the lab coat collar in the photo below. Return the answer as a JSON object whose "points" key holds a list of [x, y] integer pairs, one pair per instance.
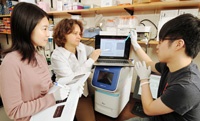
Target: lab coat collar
{"points": [[67, 53], [80, 47]]}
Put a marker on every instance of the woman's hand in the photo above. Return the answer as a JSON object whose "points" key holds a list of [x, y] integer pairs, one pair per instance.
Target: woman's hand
{"points": [[95, 54]]}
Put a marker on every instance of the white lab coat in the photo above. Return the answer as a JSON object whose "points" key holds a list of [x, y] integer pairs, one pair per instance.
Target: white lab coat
{"points": [[66, 66]]}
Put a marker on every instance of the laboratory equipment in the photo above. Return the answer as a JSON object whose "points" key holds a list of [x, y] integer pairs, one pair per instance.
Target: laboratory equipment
{"points": [[112, 89]]}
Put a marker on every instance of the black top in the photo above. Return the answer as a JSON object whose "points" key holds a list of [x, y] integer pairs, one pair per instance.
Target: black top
{"points": [[180, 91]]}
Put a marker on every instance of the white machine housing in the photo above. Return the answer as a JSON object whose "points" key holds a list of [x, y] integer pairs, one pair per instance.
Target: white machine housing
{"points": [[111, 103]]}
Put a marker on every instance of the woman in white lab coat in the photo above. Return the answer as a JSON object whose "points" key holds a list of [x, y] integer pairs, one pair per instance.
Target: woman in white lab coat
{"points": [[72, 58]]}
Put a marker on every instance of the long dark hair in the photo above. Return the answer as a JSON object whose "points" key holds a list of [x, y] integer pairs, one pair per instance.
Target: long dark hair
{"points": [[24, 18]]}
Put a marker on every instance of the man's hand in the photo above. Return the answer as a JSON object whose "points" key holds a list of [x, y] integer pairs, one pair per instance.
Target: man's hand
{"points": [[142, 70], [134, 42]]}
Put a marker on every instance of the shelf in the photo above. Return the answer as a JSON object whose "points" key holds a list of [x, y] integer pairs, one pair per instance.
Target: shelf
{"points": [[3, 16], [167, 5], [5, 33], [152, 42], [87, 39], [124, 8], [136, 6], [71, 12]]}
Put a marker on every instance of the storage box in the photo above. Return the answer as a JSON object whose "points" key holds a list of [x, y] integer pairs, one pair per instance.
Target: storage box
{"points": [[145, 1], [105, 3], [143, 33], [44, 6], [77, 5], [125, 2], [108, 33]]}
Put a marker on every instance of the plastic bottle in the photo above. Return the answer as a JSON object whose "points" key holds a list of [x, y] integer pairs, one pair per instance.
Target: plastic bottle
{"points": [[70, 4]]}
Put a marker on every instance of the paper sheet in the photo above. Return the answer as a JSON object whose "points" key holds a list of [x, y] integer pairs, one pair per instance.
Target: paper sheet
{"points": [[70, 105], [154, 84]]}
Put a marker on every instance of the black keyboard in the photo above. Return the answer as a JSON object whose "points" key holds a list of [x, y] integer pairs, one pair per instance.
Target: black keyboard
{"points": [[113, 61], [138, 110]]}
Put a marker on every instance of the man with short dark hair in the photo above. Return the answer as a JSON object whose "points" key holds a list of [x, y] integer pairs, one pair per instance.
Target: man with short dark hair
{"points": [[179, 89]]}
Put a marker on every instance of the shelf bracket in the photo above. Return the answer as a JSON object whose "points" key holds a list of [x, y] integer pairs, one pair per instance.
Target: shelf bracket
{"points": [[51, 17], [131, 12], [74, 13]]}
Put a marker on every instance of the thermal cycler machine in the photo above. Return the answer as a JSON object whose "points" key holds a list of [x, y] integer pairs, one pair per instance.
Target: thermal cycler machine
{"points": [[112, 89]]}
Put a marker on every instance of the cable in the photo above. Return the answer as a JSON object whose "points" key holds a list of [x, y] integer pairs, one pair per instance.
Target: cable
{"points": [[141, 22], [147, 44]]}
